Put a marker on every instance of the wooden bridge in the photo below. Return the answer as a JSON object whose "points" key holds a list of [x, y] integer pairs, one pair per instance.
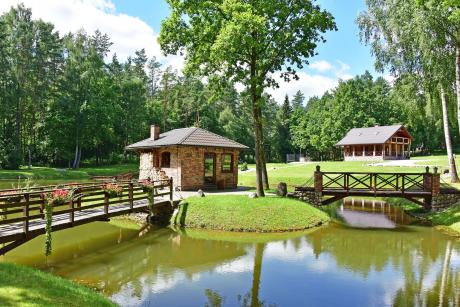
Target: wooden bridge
{"points": [[419, 188], [22, 212]]}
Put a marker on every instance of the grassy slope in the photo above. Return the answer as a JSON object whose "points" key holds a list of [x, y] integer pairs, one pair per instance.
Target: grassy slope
{"points": [[240, 213], [24, 286], [56, 173]]}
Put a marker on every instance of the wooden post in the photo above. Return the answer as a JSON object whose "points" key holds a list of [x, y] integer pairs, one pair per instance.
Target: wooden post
{"points": [[106, 204], [25, 223], [403, 185], [171, 190], [318, 177], [374, 151], [72, 208], [130, 196]]}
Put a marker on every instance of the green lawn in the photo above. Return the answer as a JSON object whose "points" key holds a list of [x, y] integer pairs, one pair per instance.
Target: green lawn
{"points": [[241, 213], [298, 174], [58, 173], [24, 286]]}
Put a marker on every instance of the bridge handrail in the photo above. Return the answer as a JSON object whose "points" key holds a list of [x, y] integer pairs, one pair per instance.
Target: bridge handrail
{"points": [[372, 173], [28, 206], [50, 188]]}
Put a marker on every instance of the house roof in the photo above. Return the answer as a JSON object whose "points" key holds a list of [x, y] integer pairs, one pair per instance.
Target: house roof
{"points": [[188, 137], [371, 135]]}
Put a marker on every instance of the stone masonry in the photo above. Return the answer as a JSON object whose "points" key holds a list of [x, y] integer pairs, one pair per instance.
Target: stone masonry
{"points": [[187, 166]]}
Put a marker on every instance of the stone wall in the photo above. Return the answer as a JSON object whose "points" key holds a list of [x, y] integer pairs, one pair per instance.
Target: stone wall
{"points": [[310, 197], [192, 160], [187, 166], [444, 201], [150, 161], [145, 165]]}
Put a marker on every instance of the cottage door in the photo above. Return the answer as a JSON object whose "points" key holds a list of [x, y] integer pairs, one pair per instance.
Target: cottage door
{"points": [[209, 168]]}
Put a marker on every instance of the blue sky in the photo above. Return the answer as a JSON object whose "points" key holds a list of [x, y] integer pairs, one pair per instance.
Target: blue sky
{"points": [[342, 45], [135, 24]]}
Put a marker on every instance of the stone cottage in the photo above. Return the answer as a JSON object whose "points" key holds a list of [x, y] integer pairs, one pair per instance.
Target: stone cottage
{"points": [[195, 158]]}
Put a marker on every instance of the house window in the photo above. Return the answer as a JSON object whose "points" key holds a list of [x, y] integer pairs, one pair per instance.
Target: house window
{"points": [[227, 163], [166, 159]]}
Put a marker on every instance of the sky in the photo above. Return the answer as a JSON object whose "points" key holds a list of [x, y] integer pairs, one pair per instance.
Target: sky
{"points": [[135, 24]]}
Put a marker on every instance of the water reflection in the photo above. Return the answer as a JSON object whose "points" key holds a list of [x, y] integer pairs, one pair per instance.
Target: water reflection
{"points": [[334, 266]]}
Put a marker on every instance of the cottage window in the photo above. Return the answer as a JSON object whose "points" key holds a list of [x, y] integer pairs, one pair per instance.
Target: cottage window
{"points": [[227, 163], [166, 159]]}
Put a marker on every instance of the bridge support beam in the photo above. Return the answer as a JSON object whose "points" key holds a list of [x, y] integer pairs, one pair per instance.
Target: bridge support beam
{"points": [[332, 199]]}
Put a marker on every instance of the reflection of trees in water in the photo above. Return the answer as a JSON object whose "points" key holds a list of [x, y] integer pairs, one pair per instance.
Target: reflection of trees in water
{"points": [[138, 263], [250, 298], [214, 298], [413, 252]]}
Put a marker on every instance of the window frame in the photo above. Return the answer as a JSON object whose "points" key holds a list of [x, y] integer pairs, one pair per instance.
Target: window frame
{"points": [[222, 164], [162, 165]]}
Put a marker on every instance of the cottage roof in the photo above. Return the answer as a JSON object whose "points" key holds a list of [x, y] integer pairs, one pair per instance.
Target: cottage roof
{"points": [[371, 135], [189, 137]]}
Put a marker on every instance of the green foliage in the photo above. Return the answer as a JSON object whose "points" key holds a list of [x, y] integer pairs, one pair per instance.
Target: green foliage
{"points": [[358, 102], [241, 213], [244, 167]]}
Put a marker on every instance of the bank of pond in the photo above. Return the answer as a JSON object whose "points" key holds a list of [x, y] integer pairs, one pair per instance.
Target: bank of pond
{"points": [[356, 252]]}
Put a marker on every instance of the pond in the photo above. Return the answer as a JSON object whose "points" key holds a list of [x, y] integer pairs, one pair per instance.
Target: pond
{"points": [[372, 256]]}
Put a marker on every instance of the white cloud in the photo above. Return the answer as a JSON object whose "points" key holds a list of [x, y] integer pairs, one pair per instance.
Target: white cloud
{"points": [[127, 33], [321, 66], [309, 84], [342, 71]]}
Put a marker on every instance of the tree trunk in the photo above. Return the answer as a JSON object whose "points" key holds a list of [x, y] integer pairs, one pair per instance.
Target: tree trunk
{"points": [[450, 154], [75, 159], [258, 148], [30, 156], [264, 160], [79, 157], [457, 81]]}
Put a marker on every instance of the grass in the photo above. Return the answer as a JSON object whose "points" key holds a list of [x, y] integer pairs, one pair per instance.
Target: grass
{"points": [[297, 174], [241, 213], [63, 173], [24, 286]]}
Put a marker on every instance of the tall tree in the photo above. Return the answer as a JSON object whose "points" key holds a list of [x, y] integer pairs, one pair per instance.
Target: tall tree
{"points": [[405, 38], [246, 42]]}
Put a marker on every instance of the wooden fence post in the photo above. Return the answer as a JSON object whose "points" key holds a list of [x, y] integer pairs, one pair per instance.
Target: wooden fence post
{"points": [[72, 208], [130, 196], [171, 190], [106, 204], [25, 223], [318, 179]]}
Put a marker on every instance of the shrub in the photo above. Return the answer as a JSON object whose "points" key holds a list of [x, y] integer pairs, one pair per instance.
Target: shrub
{"points": [[244, 167]]}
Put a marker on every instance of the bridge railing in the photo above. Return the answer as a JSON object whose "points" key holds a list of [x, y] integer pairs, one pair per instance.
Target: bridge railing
{"points": [[28, 206], [374, 181]]}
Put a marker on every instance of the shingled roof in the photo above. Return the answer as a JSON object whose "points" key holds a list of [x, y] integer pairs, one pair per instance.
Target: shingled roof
{"points": [[371, 135], [188, 137]]}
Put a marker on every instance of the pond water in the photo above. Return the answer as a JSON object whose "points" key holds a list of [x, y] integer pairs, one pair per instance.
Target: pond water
{"points": [[372, 256]]}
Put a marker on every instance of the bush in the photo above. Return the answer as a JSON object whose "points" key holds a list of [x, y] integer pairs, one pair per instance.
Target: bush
{"points": [[244, 167]]}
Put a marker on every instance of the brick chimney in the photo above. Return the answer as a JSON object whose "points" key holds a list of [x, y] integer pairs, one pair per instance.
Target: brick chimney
{"points": [[154, 132]]}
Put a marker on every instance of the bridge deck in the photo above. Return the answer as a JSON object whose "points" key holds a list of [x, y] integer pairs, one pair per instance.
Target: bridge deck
{"points": [[15, 231]]}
